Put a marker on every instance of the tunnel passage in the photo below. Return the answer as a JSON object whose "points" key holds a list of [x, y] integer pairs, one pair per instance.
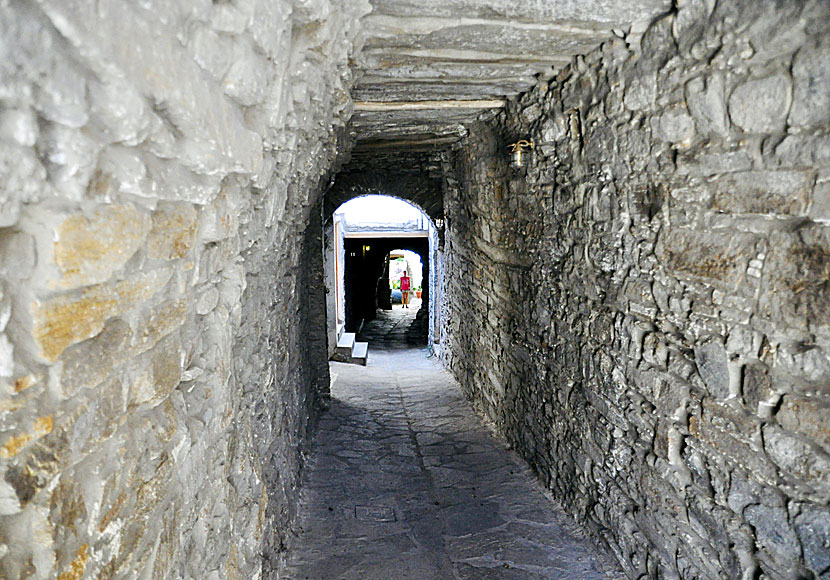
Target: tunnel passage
{"points": [[367, 277], [641, 310], [410, 176]]}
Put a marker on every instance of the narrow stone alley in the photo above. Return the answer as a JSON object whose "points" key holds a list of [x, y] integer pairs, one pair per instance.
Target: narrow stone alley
{"points": [[618, 219], [405, 482]]}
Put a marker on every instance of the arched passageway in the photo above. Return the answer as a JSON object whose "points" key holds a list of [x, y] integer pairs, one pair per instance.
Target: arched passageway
{"points": [[640, 309], [359, 238]]}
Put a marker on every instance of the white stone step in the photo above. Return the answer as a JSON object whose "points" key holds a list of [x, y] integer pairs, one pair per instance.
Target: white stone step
{"points": [[360, 353], [345, 344]]}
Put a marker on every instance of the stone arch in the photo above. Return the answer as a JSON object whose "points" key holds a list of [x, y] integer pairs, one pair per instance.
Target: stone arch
{"points": [[423, 192], [425, 195]]}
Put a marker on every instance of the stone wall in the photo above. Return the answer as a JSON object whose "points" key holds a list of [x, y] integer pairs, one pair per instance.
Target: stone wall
{"points": [[158, 165], [644, 311]]}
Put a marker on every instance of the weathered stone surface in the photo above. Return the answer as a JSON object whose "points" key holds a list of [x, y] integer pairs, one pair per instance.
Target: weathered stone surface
{"points": [[798, 458], [173, 232], [88, 250], [761, 105], [773, 531], [706, 100], [717, 257], [796, 289], [675, 126], [820, 210], [17, 250], [807, 416], [139, 144], [664, 343], [764, 192], [813, 527], [23, 178], [757, 388], [65, 320], [641, 93], [811, 91], [712, 364], [6, 357]]}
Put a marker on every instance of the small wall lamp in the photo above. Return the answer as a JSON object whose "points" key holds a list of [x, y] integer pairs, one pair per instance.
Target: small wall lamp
{"points": [[518, 149]]}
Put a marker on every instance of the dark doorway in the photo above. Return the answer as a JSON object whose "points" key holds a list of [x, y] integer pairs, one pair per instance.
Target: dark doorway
{"points": [[367, 279]]}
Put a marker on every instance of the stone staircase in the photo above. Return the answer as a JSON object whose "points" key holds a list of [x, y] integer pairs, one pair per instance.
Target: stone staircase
{"points": [[350, 351]]}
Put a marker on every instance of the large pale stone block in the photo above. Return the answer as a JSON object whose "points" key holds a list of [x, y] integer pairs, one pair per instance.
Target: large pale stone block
{"points": [[64, 320], [211, 50], [121, 110], [796, 290], [799, 459], [806, 415], [89, 250], [19, 126], [6, 357], [157, 373], [676, 126], [88, 363], [813, 527], [247, 79], [169, 180], [712, 364], [220, 218], [69, 158], [17, 255], [761, 105], [707, 103], [22, 180]]}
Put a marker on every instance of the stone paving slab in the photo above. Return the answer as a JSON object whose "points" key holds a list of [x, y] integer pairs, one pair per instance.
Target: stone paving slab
{"points": [[406, 483]]}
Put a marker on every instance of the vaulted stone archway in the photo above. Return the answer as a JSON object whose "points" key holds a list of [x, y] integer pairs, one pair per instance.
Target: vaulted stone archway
{"points": [[404, 178], [641, 310]]}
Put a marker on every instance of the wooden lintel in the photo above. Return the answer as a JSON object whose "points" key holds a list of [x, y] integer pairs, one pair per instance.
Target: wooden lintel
{"points": [[409, 144], [381, 106]]}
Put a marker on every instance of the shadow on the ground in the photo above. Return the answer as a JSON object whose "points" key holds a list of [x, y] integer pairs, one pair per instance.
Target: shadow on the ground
{"points": [[398, 328], [405, 482]]}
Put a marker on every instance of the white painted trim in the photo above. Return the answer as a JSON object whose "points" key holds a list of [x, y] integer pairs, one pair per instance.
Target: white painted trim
{"points": [[387, 234]]}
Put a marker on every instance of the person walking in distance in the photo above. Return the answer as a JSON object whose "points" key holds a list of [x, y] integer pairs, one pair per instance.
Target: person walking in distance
{"points": [[405, 290]]}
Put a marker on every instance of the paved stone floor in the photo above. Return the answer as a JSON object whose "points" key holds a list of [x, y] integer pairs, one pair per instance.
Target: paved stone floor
{"points": [[395, 329], [406, 483]]}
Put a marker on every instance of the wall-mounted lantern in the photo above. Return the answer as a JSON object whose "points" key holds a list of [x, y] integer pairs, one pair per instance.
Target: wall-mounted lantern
{"points": [[519, 150]]}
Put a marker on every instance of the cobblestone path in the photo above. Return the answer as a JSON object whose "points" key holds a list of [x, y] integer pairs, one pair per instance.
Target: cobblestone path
{"points": [[405, 483]]}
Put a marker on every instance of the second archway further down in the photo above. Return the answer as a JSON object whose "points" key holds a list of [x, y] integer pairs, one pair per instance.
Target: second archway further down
{"points": [[360, 238]]}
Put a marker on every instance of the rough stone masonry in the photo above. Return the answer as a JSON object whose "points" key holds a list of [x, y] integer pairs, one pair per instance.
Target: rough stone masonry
{"points": [[644, 311], [158, 163]]}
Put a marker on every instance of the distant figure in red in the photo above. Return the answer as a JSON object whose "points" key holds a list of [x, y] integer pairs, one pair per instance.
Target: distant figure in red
{"points": [[405, 291]]}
